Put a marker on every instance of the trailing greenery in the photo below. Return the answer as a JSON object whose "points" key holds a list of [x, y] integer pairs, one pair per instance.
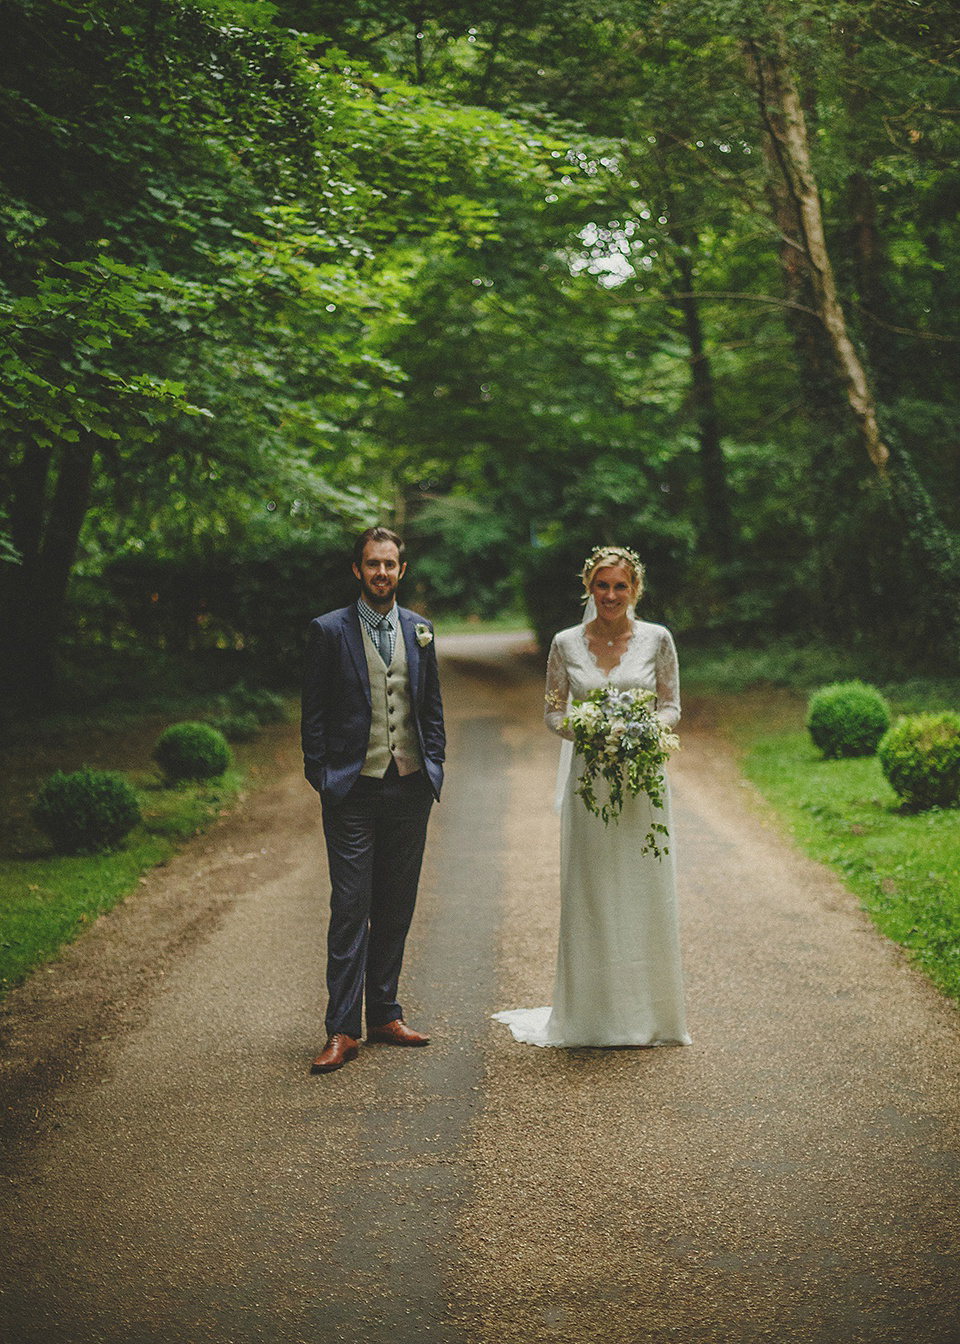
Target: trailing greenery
{"points": [[191, 751], [920, 756], [86, 811], [847, 719]]}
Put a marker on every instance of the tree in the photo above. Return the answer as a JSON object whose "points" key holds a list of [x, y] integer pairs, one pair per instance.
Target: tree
{"points": [[620, 274], [786, 126], [209, 234]]}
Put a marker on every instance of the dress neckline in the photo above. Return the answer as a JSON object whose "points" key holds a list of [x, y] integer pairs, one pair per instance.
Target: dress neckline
{"points": [[593, 657]]}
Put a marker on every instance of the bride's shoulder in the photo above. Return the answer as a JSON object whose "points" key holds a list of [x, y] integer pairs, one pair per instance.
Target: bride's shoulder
{"points": [[567, 645], [565, 639], [651, 631]]}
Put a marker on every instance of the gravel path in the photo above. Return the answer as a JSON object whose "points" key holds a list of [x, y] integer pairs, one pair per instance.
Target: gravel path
{"points": [[172, 1172]]}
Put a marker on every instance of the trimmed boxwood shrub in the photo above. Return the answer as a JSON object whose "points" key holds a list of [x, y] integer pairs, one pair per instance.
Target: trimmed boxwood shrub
{"points": [[847, 719], [86, 811], [920, 756], [191, 751]]}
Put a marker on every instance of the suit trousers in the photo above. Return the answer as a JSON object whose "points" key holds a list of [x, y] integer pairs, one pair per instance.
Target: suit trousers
{"points": [[375, 838]]}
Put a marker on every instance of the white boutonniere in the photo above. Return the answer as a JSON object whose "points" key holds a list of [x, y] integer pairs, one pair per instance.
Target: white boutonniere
{"points": [[424, 635]]}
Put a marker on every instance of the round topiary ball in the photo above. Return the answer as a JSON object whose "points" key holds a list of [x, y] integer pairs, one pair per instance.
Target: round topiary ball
{"points": [[191, 751], [847, 719], [920, 756], [86, 811]]}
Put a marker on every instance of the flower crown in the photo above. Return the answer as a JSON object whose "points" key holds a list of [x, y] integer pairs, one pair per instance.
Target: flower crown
{"points": [[624, 553]]}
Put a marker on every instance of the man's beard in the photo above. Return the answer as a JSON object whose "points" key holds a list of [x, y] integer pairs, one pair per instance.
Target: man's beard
{"points": [[376, 598]]}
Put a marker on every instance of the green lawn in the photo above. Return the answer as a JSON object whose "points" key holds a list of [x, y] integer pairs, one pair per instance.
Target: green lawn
{"points": [[904, 867], [508, 622], [47, 900]]}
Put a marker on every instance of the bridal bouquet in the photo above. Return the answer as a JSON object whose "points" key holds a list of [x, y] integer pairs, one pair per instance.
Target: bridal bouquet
{"points": [[624, 743]]}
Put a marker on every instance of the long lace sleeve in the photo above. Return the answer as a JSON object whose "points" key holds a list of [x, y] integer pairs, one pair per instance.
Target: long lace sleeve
{"points": [[668, 682], [557, 693]]}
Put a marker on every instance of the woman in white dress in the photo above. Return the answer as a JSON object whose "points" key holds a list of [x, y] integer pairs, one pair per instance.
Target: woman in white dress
{"points": [[618, 979]]}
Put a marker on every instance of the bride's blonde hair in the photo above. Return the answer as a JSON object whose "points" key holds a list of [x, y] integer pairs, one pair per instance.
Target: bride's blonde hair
{"points": [[602, 556]]}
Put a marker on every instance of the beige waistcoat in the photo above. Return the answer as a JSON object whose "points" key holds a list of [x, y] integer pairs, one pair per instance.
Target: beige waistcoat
{"points": [[392, 731]]}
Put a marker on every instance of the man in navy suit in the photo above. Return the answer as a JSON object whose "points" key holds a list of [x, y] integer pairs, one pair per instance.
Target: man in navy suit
{"points": [[373, 748]]}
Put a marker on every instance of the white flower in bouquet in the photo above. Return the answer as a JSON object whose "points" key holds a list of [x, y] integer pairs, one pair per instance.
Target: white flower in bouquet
{"points": [[623, 743]]}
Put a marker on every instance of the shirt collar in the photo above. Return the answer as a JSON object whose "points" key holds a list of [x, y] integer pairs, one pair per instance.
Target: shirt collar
{"points": [[371, 617]]}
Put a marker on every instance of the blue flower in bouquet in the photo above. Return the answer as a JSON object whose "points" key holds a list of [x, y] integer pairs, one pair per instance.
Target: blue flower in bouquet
{"points": [[637, 732]]}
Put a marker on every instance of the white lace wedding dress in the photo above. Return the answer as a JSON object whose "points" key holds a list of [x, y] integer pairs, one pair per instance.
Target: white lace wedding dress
{"points": [[618, 978]]}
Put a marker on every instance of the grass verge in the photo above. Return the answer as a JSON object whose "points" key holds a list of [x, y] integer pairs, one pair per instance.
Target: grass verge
{"points": [[47, 900], [805, 667], [507, 622], [904, 867]]}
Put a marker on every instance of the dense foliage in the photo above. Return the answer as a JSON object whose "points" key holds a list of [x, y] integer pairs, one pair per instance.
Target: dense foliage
{"points": [[517, 279], [86, 810]]}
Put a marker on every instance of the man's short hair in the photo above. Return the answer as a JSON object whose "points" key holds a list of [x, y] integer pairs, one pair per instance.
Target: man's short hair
{"points": [[376, 534]]}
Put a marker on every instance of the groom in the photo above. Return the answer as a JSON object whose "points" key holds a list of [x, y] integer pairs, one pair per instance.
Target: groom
{"points": [[373, 748]]}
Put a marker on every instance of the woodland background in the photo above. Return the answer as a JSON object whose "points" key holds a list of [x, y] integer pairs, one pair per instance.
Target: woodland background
{"points": [[515, 277]]}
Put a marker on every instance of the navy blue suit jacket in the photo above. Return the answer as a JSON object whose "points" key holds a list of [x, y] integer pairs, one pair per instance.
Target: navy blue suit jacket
{"points": [[337, 713]]}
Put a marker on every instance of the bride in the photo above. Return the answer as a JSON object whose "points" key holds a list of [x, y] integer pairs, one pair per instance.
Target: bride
{"points": [[618, 979]]}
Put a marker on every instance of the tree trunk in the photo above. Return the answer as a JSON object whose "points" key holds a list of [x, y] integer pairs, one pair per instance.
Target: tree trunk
{"points": [[18, 582], [933, 546], [817, 367], [418, 39], [787, 126], [71, 499], [50, 534], [28, 504], [483, 88], [718, 526]]}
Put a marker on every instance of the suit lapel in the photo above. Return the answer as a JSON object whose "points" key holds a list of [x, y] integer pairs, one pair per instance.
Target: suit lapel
{"points": [[353, 639]]}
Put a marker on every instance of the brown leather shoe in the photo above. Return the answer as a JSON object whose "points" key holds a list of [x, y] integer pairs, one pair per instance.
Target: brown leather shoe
{"points": [[396, 1033], [339, 1050]]}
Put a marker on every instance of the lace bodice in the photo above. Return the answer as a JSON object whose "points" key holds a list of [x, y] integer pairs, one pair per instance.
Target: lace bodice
{"points": [[649, 661]]}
